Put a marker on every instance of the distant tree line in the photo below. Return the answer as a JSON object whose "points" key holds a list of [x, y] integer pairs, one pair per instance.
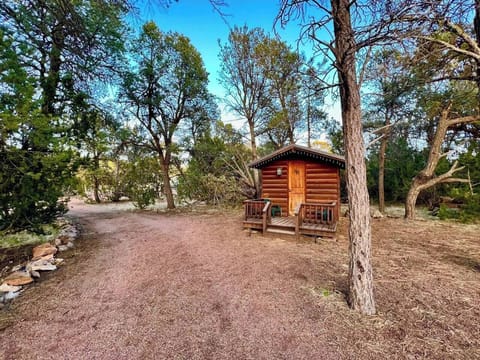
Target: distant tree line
{"points": [[90, 106]]}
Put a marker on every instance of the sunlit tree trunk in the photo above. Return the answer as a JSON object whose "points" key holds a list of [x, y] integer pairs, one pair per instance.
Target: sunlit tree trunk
{"points": [[360, 269]]}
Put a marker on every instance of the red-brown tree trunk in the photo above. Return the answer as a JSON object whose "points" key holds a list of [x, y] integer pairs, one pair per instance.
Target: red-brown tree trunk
{"points": [[167, 187], [360, 269]]}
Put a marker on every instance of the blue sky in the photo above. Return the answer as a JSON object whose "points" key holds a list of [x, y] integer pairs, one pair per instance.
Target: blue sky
{"points": [[205, 27]]}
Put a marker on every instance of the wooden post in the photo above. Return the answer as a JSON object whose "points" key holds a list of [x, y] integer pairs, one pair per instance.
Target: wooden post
{"points": [[265, 217], [298, 215]]}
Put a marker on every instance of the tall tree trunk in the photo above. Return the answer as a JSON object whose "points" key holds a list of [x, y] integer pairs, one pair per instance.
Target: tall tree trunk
{"points": [[253, 145], [96, 182], [167, 187], [359, 231], [381, 167], [96, 186], [309, 130], [381, 175], [52, 80], [476, 26]]}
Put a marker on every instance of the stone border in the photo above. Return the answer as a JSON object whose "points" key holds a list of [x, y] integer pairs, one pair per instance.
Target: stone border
{"points": [[43, 259]]}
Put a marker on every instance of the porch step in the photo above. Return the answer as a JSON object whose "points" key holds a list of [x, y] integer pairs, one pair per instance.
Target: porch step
{"points": [[280, 231]]}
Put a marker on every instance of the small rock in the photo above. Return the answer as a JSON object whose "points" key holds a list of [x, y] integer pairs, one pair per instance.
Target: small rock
{"points": [[63, 248], [43, 250], [9, 288], [62, 239], [18, 278], [41, 265], [58, 261], [19, 267], [8, 296], [70, 245], [377, 214], [47, 258], [35, 274]]}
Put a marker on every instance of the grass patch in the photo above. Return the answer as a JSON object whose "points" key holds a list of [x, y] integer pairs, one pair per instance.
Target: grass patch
{"points": [[21, 238]]}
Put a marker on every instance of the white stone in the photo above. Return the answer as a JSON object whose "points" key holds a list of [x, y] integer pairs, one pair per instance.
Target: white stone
{"points": [[377, 214], [42, 267], [59, 261], [11, 295], [9, 288], [62, 248]]}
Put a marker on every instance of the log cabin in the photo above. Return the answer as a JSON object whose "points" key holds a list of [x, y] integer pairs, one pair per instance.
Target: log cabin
{"points": [[300, 192]]}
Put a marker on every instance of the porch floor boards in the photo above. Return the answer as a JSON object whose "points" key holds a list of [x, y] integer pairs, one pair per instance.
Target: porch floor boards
{"points": [[286, 224]]}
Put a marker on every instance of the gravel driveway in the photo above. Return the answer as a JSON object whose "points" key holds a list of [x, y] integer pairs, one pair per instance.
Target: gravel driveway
{"points": [[156, 286]]}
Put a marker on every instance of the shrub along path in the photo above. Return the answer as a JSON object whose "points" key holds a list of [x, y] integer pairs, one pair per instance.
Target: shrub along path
{"points": [[193, 286]]}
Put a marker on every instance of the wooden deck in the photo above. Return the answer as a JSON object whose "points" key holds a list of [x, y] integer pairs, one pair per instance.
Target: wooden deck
{"points": [[310, 219]]}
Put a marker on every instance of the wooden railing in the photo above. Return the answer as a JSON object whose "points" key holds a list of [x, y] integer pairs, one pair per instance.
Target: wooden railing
{"points": [[257, 210], [312, 214]]}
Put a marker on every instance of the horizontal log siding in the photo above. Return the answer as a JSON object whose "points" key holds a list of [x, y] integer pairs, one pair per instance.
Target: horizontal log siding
{"points": [[275, 187], [323, 184]]}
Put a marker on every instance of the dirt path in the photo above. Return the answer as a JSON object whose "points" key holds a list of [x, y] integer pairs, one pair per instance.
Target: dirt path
{"points": [[157, 286]]}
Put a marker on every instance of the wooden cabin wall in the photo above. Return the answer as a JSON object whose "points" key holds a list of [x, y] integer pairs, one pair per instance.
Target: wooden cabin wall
{"points": [[322, 183], [275, 187]]}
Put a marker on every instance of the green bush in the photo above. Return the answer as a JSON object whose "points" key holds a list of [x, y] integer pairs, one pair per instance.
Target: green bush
{"points": [[446, 213], [142, 197], [470, 211], [31, 187]]}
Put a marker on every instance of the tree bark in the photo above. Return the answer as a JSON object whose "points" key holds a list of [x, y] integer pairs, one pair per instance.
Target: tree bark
{"points": [[50, 84], [167, 187], [96, 186], [360, 269], [381, 167], [427, 178], [253, 145], [476, 26], [96, 182], [427, 174], [381, 175]]}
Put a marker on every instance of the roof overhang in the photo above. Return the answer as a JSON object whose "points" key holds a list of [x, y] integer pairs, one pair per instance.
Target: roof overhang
{"points": [[301, 152]]}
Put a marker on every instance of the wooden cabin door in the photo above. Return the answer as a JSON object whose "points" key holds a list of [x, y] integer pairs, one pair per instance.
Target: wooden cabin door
{"points": [[296, 185]]}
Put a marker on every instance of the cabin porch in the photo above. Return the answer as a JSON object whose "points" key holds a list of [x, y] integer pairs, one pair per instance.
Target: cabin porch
{"points": [[317, 219]]}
